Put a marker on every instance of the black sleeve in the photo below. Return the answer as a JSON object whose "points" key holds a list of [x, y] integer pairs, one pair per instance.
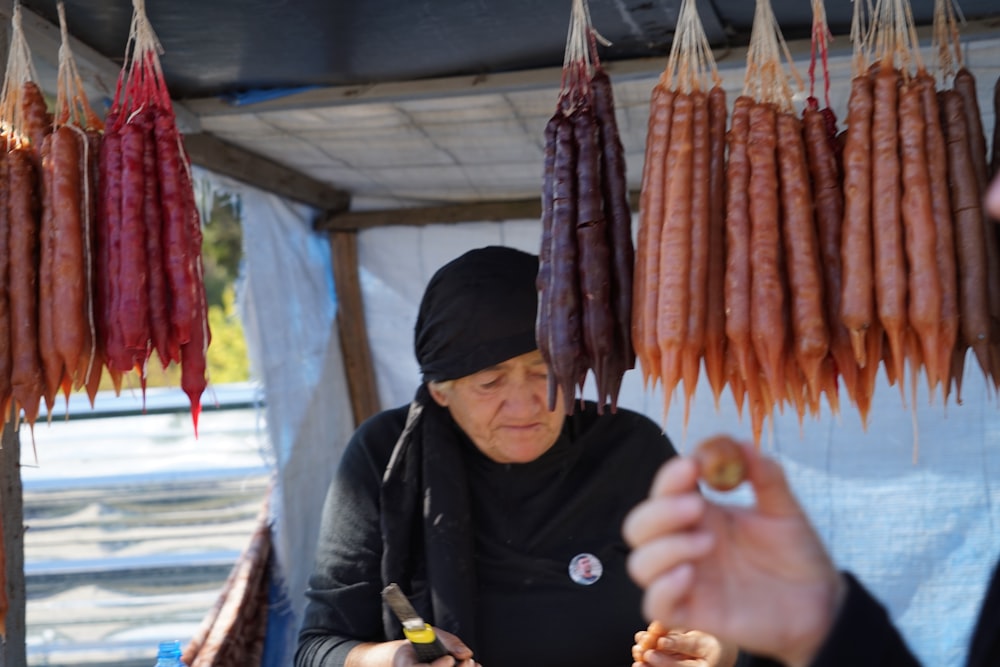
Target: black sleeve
{"points": [[985, 648], [862, 636], [345, 605]]}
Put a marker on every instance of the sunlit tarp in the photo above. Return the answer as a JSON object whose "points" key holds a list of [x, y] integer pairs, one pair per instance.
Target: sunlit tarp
{"points": [[288, 307]]}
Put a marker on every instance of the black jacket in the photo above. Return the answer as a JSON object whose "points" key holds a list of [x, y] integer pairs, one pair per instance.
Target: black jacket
{"points": [[528, 522], [864, 636]]}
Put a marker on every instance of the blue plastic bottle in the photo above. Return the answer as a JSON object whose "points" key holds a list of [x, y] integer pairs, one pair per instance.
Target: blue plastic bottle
{"points": [[169, 655]]}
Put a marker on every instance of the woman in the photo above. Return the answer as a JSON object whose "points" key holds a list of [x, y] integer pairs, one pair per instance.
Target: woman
{"points": [[499, 519]]}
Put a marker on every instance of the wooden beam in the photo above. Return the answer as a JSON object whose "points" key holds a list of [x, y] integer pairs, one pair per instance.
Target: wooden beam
{"points": [[727, 58], [354, 346], [227, 159], [485, 211]]}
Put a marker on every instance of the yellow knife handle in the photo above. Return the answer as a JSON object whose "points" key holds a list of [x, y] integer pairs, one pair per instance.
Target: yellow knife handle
{"points": [[428, 647]]}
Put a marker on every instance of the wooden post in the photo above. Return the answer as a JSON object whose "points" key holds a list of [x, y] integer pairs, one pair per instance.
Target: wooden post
{"points": [[351, 325], [13, 653]]}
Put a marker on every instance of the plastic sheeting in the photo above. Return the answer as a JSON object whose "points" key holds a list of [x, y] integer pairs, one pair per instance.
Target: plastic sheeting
{"points": [[288, 307], [921, 532]]}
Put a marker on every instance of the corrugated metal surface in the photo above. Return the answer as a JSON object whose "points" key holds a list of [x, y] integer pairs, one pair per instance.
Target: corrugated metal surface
{"points": [[133, 525]]}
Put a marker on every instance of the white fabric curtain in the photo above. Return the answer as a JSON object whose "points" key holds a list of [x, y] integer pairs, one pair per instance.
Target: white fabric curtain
{"points": [[288, 308]]}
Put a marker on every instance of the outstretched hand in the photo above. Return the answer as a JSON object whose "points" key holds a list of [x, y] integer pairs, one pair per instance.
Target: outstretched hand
{"points": [[757, 576], [680, 648]]}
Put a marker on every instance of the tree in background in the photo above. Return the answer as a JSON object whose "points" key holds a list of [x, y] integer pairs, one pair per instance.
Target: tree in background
{"points": [[222, 253]]}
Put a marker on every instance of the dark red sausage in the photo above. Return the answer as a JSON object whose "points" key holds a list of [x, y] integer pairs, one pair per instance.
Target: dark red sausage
{"points": [[179, 263], [715, 321], [133, 276], [593, 254], [967, 212], [568, 360], [543, 329], [617, 213], [157, 295]]}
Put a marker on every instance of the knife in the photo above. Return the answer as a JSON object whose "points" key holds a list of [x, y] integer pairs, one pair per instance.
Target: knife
{"points": [[428, 647]]}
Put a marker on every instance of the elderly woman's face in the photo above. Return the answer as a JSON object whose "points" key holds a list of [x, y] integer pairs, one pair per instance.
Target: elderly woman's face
{"points": [[504, 409]]}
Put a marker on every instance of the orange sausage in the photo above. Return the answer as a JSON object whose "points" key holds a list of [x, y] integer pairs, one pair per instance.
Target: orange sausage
{"points": [[23, 210], [69, 263], [811, 339], [944, 237], [887, 233], [694, 341], [37, 119], [675, 247], [767, 288], [857, 306], [829, 199], [645, 287], [737, 283], [53, 369], [923, 281]]}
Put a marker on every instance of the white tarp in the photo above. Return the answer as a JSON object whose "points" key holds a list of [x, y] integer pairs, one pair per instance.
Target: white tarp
{"points": [[288, 307]]}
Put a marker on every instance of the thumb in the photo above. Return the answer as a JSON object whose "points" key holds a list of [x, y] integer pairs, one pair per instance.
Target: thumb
{"points": [[774, 495]]}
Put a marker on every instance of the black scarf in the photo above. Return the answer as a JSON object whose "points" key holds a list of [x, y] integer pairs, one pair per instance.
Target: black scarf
{"points": [[477, 311], [427, 535]]}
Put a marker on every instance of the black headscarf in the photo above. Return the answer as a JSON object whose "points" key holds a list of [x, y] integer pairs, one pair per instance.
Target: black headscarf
{"points": [[477, 311]]}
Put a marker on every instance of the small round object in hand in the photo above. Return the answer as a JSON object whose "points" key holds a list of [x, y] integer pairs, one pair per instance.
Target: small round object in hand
{"points": [[720, 463]]}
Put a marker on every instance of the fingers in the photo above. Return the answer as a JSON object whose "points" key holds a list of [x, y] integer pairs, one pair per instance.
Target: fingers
{"points": [[993, 198], [456, 647], [656, 557], [657, 516], [678, 475], [666, 595], [691, 643], [774, 495]]}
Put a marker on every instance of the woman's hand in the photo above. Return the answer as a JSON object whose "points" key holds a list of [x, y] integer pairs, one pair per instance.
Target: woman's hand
{"points": [[716, 567], [460, 654], [400, 653], [681, 648]]}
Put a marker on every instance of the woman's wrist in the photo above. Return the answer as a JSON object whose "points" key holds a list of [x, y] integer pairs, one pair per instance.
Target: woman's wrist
{"points": [[803, 651], [373, 654]]}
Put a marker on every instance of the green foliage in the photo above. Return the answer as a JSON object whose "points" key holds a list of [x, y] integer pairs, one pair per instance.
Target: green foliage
{"points": [[227, 354], [222, 250]]}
